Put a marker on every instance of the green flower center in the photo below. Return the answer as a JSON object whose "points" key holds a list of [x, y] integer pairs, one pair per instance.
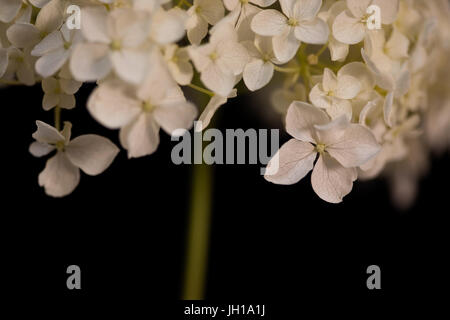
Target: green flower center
{"points": [[116, 45], [320, 148], [147, 106]]}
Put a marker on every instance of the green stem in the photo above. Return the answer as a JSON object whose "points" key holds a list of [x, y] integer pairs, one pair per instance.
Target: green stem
{"points": [[58, 118], [322, 50], [202, 90], [286, 70], [198, 234]]}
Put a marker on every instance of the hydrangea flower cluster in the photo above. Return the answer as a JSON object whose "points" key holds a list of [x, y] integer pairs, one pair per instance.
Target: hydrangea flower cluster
{"points": [[359, 102]]}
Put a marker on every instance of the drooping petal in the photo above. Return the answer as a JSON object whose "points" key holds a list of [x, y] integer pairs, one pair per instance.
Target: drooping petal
{"points": [[46, 133], [216, 80], [301, 119], [141, 137], [50, 101], [60, 177], [39, 149], [214, 103], [175, 116], [331, 181], [258, 74], [91, 153], [294, 160], [269, 23]]}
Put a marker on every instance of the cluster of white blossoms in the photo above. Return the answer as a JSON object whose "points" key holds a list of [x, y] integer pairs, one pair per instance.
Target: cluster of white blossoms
{"points": [[359, 101]]}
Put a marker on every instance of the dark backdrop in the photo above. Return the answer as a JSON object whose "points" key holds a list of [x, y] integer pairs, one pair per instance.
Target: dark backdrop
{"points": [[126, 228]]}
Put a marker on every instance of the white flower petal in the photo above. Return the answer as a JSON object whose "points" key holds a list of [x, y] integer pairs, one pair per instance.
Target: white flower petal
{"points": [[347, 29], [314, 32], [301, 119], [51, 42], [258, 74], [91, 153], [176, 116], [269, 23], [211, 10], [331, 181], [354, 147], [113, 105], [294, 159], [141, 137], [90, 62], [286, 45], [23, 35], [307, 9], [94, 24], [358, 7], [60, 177], [10, 9], [46, 133], [130, 65], [50, 63], [197, 29], [233, 56], [216, 80], [348, 87], [50, 101], [389, 10], [39, 149], [360, 71]]}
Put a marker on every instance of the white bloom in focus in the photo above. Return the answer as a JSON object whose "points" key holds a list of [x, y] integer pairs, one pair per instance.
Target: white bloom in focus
{"points": [[334, 94], [54, 50], [351, 25], [91, 153], [298, 23], [221, 60], [141, 113], [341, 146], [259, 71], [202, 13]]}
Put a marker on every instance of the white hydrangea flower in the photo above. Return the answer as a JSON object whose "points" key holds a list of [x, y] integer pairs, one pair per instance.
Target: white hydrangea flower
{"points": [[341, 146], [20, 65], [221, 60], [242, 13], [91, 153], [338, 50], [334, 94], [141, 113], [59, 92], [179, 64], [54, 50], [202, 13], [298, 23], [259, 71], [351, 26], [114, 41], [11, 8]]}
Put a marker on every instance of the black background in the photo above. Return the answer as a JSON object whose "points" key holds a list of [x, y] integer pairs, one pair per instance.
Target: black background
{"points": [[126, 228]]}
